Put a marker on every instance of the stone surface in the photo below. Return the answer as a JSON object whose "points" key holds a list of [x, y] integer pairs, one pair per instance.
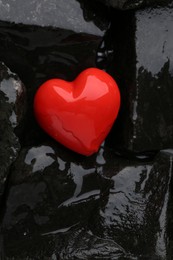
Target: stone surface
{"points": [[64, 206], [37, 54], [57, 13], [12, 105], [129, 4], [143, 66], [59, 205], [135, 212]]}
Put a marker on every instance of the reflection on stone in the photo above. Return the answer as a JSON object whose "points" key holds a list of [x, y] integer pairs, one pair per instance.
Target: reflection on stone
{"points": [[39, 158], [54, 193], [134, 210], [143, 67], [98, 206], [12, 105], [60, 205], [37, 54]]}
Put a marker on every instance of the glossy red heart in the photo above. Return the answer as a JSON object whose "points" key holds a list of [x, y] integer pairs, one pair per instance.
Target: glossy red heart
{"points": [[78, 114]]}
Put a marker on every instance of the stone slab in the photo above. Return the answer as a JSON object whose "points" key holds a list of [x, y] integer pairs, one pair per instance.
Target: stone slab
{"points": [[97, 207], [12, 107], [62, 14], [142, 63]]}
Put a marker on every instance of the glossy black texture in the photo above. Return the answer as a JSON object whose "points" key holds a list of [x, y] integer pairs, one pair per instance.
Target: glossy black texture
{"points": [[59, 205], [12, 107], [134, 211], [37, 54], [72, 207], [142, 64], [135, 4]]}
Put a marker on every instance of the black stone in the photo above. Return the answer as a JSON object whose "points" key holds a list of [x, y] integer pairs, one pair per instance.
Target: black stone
{"points": [[134, 211], [12, 106], [142, 64], [65, 206], [58, 204], [37, 54], [50, 189], [170, 222], [78, 16], [134, 4]]}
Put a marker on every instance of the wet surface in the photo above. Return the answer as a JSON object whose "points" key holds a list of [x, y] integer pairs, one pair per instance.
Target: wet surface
{"points": [[61, 205], [12, 106], [134, 213], [144, 74], [97, 207], [38, 54]]}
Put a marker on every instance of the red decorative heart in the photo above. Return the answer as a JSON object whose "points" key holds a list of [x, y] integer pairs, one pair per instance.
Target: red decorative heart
{"points": [[78, 114]]}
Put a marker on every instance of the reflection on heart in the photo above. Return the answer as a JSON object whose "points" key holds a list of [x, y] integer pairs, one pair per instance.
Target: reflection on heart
{"points": [[78, 114]]}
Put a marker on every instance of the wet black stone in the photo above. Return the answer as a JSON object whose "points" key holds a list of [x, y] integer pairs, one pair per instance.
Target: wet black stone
{"points": [[69, 207], [134, 4], [37, 54], [142, 64], [12, 106], [60, 205], [133, 212], [49, 190], [170, 221], [78, 16]]}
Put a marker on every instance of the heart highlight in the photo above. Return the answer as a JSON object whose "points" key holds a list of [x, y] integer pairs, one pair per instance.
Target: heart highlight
{"points": [[78, 114]]}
